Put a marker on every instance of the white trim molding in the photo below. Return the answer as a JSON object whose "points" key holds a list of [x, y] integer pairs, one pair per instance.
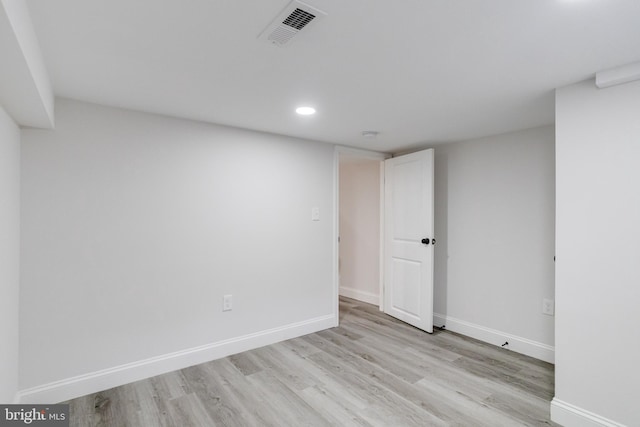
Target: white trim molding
{"points": [[361, 153], [569, 415], [363, 296], [518, 344], [335, 288], [93, 382]]}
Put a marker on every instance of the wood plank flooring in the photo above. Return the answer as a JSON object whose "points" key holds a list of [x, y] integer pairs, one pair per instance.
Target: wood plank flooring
{"points": [[370, 371]]}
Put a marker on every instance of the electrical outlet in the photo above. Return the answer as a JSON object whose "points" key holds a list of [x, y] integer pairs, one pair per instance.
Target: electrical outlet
{"points": [[227, 303], [315, 214], [548, 306]]}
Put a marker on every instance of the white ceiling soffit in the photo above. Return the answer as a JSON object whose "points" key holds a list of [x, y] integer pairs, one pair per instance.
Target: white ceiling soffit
{"points": [[25, 90], [618, 75], [290, 22]]}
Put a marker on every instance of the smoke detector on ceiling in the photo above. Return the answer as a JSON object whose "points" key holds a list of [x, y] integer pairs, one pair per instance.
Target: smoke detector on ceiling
{"points": [[370, 134], [290, 22]]}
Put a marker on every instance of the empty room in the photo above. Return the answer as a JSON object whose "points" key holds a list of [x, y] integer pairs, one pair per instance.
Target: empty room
{"points": [[319, 212]]}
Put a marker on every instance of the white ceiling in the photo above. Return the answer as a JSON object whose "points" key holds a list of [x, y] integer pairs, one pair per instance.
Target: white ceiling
{"points": [[421, 72]]}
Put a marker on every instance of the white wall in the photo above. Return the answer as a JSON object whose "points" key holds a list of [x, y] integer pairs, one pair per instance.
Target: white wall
{"points": [[9, 255], [494, 206], [136, 225], [598, 248], [360, 229]]}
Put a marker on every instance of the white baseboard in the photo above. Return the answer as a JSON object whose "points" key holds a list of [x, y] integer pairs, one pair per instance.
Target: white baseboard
{"points": [[93, 382], [521, 345], [569, 415], [363, 296]]}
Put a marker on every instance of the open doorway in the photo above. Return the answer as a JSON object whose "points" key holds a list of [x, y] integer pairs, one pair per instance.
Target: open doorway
{"points": [[360, 210]]}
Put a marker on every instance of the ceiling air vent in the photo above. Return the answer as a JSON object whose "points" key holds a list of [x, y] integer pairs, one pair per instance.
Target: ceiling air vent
{"points": [[293, 19]]}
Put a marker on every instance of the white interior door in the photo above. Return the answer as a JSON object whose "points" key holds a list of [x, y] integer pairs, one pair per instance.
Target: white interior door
{"points": [[408, 272]]}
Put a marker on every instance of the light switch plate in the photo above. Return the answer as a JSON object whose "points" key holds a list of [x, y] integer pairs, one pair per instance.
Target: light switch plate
{"points": [[227, 303]]}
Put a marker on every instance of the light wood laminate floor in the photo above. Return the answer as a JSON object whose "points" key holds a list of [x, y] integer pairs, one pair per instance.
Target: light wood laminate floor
{"points": [[370, 371]]}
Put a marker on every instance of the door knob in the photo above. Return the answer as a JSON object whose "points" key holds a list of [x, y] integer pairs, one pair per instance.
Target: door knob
{"points": [[425, 241]]}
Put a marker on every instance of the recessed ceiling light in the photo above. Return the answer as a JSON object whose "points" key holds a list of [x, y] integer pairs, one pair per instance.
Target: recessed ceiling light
{"points": [[305, 111]]}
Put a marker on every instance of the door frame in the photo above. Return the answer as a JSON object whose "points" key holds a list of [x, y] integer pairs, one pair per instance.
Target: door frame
{"points": [[342, 151]]}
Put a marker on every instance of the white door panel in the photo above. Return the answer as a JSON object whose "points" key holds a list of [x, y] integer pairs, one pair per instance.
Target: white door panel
{"points": [[408, 284]]}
